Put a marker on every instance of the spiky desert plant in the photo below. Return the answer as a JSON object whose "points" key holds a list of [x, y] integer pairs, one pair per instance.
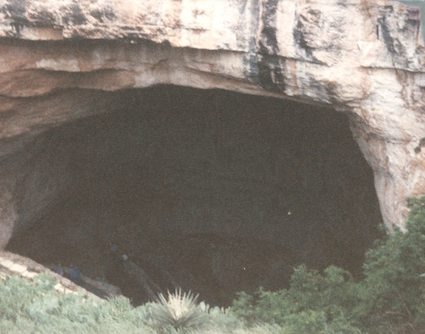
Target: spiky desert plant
{"points": [[179, 310]]}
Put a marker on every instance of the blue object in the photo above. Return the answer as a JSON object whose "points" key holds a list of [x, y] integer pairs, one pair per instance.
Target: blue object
{"points": [[57, 269], [74, 274]]}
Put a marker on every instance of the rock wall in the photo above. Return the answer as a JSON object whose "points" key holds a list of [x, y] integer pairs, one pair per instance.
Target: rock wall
{"points": [[421, 5], [60, 61]]}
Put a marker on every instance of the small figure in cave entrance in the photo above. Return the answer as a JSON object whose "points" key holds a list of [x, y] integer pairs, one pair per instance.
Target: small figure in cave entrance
{"points": [[97, 287], [135, 283], [73, 273]]}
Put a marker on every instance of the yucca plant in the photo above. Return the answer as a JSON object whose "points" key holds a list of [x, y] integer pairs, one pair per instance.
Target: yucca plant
{"points": [[180, 311]]}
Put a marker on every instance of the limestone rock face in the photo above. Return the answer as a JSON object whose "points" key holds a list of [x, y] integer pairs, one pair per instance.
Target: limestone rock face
{"points": [[61, 60]]}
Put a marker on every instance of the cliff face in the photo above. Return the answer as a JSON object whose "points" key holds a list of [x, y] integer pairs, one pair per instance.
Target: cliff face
{"points": [[60, 61], [421, 5]]}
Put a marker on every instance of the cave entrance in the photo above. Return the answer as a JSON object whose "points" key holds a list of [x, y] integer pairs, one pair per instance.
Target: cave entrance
{"points": [[213, 191]]}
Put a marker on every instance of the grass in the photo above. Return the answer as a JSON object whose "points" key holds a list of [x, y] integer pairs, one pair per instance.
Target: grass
{"points": [[389, 299]]}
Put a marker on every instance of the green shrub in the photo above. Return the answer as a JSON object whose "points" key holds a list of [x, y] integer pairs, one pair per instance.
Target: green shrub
{"points": [[314, 303], [179, 311], [36, 307], [389, 299], [393, 291]]}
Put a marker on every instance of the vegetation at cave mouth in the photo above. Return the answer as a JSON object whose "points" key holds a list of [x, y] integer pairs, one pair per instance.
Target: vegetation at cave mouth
{"points": [[390, 298]]}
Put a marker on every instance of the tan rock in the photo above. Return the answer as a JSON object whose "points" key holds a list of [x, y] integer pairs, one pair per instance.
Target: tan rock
{"points": [[59, 60]]}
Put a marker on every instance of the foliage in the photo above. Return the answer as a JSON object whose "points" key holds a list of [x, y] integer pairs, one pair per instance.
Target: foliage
{"points": [[312, 304], [179, 310], [389, 299], [36, 307], [393, 292]]}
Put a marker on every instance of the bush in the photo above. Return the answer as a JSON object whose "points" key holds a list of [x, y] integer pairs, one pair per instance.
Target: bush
{"points": [[179, 311], [393, 291], [389, 299], [36, 307], [314, 303]]}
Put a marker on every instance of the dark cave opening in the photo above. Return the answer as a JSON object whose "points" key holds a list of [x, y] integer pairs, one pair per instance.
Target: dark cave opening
{"points": [[211, 191]]}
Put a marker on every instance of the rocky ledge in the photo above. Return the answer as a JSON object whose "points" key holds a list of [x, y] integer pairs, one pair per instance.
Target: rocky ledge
{"points": [[60, 61]]}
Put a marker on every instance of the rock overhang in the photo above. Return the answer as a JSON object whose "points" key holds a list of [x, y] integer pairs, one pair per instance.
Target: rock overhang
{"points": [[363, 58]]}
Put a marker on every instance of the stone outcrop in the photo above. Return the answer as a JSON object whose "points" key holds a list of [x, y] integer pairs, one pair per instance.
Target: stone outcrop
{"points": [[65, 60], [15, 265]]}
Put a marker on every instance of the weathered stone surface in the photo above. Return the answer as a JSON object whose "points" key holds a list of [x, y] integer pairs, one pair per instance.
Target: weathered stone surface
{"points": [[15, 265], [59, 60]]}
